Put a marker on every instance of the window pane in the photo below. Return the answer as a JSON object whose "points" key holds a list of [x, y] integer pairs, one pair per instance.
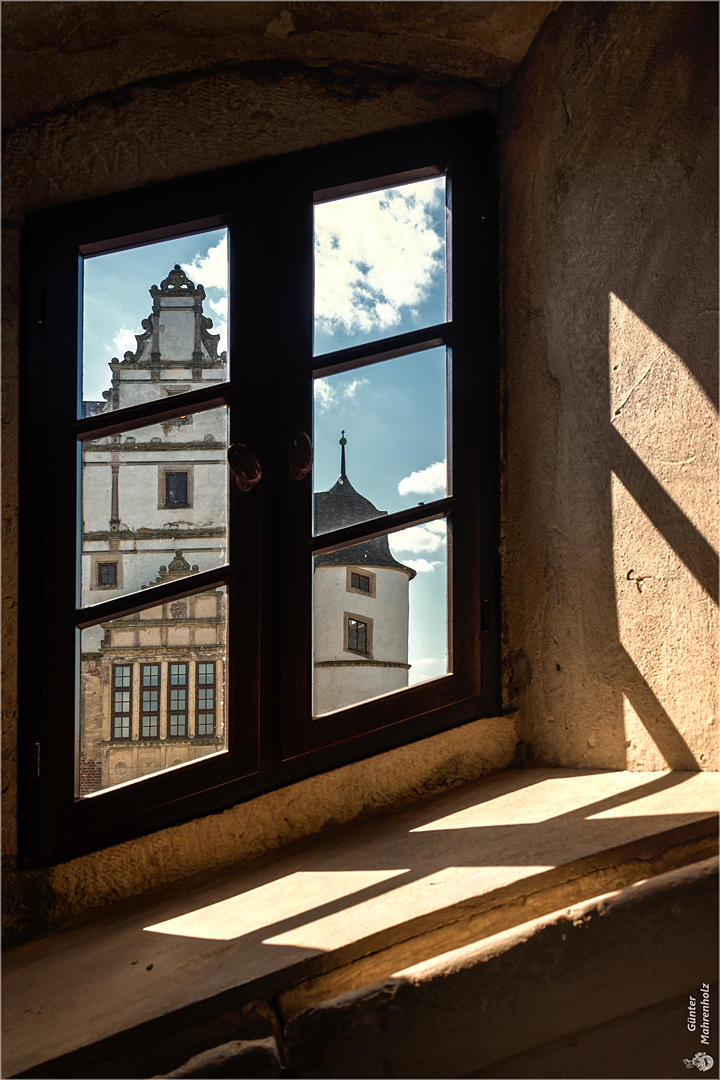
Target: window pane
{"points": [[392, 417], [390, 638], [152, 691], [379, 264], [142, 339], [154, 505]]}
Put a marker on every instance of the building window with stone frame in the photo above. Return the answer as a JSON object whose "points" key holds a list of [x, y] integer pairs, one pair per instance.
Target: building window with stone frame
{"points": [[204, 699], [176, 489], [149, 701], [357, 635], [177, 722], [107, 575], [121, 704]]}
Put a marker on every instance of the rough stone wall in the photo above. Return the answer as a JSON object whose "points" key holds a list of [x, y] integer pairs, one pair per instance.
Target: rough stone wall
{"points": [[610, 319]]}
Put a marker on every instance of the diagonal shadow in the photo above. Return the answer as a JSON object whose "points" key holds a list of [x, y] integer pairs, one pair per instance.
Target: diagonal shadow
{"points": [[546, 846], [658, 724], [686, 541]]}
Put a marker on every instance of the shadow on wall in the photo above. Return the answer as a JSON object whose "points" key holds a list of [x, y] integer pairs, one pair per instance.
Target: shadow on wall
{"points": [[662, 420]]}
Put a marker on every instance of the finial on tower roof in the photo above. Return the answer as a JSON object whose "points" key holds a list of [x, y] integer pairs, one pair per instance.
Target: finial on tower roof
{"points": [[343, 444]]}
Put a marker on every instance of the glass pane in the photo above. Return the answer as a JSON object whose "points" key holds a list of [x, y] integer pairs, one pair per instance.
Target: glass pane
{"points": [[390, 420], [154, 505], [379, 264], [380, 616], [142, 337], [152, 691]]}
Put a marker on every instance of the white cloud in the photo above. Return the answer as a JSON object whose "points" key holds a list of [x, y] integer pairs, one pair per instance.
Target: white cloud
{"points": [[375, 254], [325, 395], [428, 667], [425, 481], [349, 390], [422, 565], [220, 307], [124, 341], [211, 270], [425, 538]]}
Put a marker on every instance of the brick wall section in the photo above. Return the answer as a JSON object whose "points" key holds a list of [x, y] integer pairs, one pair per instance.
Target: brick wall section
{"points": [[90, 774]]}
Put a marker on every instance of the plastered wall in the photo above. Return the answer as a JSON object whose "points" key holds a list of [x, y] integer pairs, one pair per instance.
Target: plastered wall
{"points": [[610, 327]]}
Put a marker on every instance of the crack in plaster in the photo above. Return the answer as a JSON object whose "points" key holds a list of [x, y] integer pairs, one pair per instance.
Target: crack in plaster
{"points": [[635, 385]]}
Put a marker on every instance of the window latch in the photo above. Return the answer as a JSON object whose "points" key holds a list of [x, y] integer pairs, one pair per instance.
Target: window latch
{"points": [[245, 466], [300, 453]]}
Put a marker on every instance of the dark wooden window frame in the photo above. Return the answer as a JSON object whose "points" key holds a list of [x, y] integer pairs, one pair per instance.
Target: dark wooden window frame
{"points": [[272, 738]]}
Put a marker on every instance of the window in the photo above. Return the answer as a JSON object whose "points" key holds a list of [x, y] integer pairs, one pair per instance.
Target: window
{"points": [[229, 617], [205, 701], [357, 636], [150, 701], [177, 701], [107, 575], [121, 696], [176, 489], [176, 480]]}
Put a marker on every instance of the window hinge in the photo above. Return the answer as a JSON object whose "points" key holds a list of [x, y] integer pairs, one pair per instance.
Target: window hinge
{"points": [[37, 760]]}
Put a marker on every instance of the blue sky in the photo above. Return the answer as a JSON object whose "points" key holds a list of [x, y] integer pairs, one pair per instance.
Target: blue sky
{"points": [[379, 271]]}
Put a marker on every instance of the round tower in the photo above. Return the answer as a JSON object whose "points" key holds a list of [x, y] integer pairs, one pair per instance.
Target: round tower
{"points": [[361, 606]]}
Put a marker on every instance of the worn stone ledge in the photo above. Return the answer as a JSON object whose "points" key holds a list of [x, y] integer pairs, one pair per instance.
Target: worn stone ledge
{"points": [[460, 1012], [235, 956]]}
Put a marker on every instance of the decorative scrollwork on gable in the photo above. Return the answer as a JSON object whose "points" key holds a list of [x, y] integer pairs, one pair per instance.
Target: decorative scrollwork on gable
{"points": [[210, 341], [141, 339], [177, 283]]}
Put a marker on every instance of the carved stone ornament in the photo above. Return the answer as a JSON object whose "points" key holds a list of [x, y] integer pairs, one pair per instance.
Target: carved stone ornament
{"points": [[177, 283], [179, 567]]}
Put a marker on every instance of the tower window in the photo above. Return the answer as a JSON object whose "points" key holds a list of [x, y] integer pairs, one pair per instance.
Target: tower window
{"points": [[361, 582], [107, 575], [357, 636], [176, 489]]}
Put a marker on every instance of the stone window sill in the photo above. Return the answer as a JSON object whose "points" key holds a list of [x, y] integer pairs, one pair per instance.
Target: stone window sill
{"points": [[337, 912]]}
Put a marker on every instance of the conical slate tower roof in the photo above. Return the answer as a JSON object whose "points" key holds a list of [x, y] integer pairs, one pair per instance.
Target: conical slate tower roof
{"points": [[341, 506]]}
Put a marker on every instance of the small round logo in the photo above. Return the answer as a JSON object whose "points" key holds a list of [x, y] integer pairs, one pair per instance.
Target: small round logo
{"points": [[701, 1061]]}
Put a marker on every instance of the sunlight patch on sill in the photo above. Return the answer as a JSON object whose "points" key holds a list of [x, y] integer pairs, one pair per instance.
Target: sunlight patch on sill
{"points": [[286, 898]]}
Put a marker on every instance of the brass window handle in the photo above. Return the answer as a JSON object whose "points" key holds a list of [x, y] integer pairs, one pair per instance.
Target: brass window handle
{"points": [[245, 466], [300, 454]]}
